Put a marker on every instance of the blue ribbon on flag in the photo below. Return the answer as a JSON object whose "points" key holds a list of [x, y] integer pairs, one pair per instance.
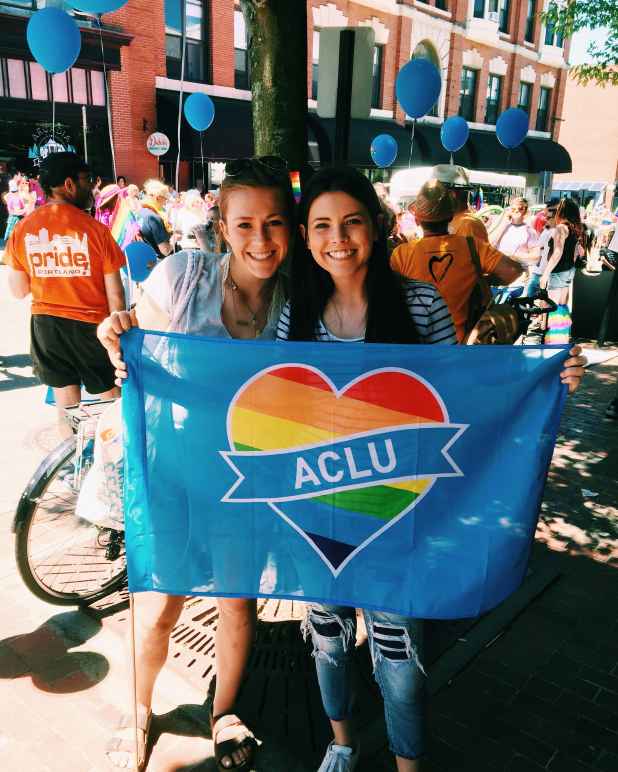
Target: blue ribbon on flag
{"points": [[400, 453]]}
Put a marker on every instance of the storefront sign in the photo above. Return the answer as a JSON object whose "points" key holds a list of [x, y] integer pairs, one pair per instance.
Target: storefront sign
{"points": [[158, 143]]}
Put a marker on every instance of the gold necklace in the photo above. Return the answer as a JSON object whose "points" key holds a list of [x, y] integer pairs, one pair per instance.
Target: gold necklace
{"points": [[237, 297]]}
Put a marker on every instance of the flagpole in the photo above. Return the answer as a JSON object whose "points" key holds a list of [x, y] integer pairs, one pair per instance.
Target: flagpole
{"points": [[133, 675]]}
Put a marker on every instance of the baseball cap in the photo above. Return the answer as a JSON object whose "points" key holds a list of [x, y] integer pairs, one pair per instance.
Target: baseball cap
{"points": [[451, 175]]}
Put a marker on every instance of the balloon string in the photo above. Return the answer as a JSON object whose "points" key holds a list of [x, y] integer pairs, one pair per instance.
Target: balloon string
{"points": [[180, 94], [53, 114], [202, 156], [107, 99], [452, 160], [411, 142], [508, 160]]}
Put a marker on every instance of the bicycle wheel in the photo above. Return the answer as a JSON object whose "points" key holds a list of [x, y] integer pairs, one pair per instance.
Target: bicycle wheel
{"points": [[64, 559]]}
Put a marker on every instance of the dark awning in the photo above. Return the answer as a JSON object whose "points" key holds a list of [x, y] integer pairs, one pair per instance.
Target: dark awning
{"points": [[482, 151], [231, 136]]}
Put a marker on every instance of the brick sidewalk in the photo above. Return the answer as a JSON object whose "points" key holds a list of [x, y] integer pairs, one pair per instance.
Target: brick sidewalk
{"points": [[545, 694]]}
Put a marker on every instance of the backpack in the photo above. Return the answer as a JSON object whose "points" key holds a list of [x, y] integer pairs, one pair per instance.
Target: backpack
{"points": [[488, 322]]}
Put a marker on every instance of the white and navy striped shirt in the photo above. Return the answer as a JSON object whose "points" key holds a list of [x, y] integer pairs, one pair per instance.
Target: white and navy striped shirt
{"points": [[427, 309]]}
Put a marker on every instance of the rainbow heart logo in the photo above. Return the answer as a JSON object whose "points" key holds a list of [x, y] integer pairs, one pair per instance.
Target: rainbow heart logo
{"points": [[341, 466]]}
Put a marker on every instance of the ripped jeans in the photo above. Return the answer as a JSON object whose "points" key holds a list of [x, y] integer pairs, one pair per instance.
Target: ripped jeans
{"points": [[394, 642]]}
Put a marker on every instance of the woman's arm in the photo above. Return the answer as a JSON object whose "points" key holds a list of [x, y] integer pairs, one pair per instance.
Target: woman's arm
{"points": [[560, 237], [147, 315]]}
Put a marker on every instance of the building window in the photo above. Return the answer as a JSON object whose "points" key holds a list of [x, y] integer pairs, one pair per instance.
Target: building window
{"points": [[376, 77], [241, 56], [17, 78], [479, 9], [467, 93], [315, 58], [494, 95], [38, 82], [28, 80], [553, 38], [530, 16], [442, 5], [189, 13], [505, 9], [542, 114], [525, 92]]}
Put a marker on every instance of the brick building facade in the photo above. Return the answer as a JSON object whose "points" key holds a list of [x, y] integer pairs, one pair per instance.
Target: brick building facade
{"points": [[592, 143], [492, 54]]}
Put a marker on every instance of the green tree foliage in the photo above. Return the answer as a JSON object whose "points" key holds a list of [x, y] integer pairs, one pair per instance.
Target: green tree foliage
{"points": [[574, 15]]}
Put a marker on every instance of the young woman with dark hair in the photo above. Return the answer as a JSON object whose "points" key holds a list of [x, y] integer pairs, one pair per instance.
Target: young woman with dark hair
{"points": [[342, 286], [237, 295], [343, 289], [564, 247]]}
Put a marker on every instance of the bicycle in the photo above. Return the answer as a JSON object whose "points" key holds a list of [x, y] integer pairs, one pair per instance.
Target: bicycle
{"points": [[62, 558]]}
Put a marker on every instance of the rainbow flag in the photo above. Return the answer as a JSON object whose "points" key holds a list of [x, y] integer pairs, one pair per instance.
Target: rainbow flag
{"points": [[360, 475], [295, 180], [125, 226]]}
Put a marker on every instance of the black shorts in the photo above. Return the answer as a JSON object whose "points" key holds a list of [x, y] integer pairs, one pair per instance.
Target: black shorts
{"points": [[66, 352]]}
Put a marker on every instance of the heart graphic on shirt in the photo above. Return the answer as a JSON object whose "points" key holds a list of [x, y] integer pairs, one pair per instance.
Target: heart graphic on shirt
{"points": [[442, 263], [338, 501]]}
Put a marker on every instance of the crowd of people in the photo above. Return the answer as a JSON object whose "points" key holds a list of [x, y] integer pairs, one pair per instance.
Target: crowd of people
{"points": [[323, 271]]}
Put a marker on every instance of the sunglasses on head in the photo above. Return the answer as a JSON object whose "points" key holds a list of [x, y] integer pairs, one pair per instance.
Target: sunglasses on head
{"points": [[551, 212], [269, 163]]}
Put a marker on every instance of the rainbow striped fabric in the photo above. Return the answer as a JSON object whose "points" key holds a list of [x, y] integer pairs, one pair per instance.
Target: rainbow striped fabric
{"points": [[559, 326]]}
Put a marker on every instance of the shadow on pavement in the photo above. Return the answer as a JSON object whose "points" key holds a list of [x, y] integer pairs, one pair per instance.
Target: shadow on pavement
{"points": [[10, 380], [44, 655]]}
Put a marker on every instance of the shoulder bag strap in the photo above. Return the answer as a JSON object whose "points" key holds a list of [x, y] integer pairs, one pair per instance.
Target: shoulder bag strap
{"points": [[476, 261]]}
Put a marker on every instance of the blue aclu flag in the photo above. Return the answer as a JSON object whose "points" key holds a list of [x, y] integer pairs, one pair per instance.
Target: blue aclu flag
{"points": [[401, 478]]}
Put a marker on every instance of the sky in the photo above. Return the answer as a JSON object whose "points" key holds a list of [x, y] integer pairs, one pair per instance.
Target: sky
{"points": [[580, 42]]}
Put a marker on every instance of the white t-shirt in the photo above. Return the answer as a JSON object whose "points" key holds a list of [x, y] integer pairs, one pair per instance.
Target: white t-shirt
{"points": [[543, 246], [515, 237]]}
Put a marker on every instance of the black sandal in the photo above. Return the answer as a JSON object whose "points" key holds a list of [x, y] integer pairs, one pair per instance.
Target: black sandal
{"points": [[242, 739]]}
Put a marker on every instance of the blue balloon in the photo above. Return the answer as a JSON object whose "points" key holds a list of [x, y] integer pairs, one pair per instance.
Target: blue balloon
{"points": [[97, 6], [418, 87], [141, 258], [454, 133], [384, 150], [199, 111], [54, 39], [512, 127]]}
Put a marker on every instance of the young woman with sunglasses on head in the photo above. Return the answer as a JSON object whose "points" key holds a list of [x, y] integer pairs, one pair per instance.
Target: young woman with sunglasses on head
{"points": [[342, 289], [237, 296]]}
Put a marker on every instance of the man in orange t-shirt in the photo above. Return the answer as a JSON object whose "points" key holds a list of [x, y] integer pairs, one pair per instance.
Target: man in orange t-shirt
{"points": [[444, 260], [70, 263]]}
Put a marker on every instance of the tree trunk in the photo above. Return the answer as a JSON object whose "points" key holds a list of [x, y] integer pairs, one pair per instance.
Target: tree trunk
{"points": [[277, 45]]}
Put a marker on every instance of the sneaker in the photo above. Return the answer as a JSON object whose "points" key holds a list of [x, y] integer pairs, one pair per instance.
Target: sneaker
{"points": [[339, 758], [612, 409]]}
